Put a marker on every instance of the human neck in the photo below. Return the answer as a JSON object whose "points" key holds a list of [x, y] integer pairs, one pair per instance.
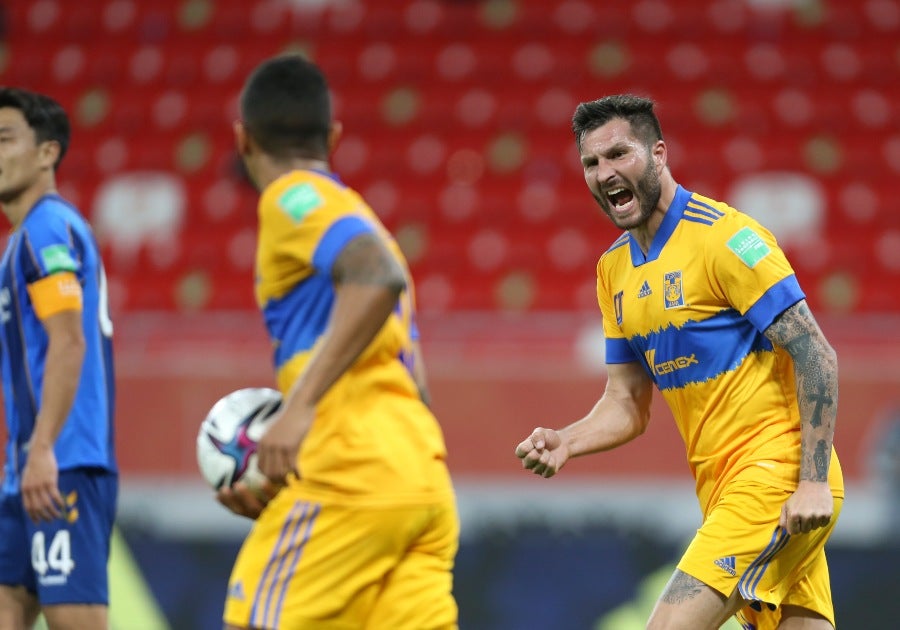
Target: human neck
{"points": [[643, 234], [17, 209], [269, 169]]}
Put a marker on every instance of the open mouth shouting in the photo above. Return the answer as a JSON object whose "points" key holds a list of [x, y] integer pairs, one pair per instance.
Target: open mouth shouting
{"points": [[621, 200]]}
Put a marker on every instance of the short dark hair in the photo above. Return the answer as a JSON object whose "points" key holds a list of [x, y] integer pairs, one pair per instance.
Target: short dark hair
{"points": [[43, 114], [286, 107], [637, 110]]}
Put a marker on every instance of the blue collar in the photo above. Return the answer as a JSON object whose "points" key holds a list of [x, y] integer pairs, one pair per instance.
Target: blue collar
{"points": [[666, 228]]}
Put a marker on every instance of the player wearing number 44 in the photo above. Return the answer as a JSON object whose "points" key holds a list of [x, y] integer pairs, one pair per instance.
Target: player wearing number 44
{"points": [[60, 481], [698, 300]]}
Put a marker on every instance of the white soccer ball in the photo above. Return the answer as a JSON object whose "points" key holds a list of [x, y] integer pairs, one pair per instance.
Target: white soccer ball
{"points": [[227, 441]]}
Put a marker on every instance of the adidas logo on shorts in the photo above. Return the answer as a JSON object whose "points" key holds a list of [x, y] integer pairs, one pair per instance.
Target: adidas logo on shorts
{"points": [[726, 564], [236, 591]]}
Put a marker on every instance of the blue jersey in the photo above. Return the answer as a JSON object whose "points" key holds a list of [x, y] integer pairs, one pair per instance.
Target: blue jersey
{"points": [[51, 263]]}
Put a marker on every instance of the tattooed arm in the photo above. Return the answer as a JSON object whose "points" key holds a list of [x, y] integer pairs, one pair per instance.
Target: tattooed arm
{"points": [[815, 371], [368, 281]]}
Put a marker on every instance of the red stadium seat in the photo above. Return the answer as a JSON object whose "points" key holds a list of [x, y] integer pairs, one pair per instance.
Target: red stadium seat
{"points": [[457, 120]]}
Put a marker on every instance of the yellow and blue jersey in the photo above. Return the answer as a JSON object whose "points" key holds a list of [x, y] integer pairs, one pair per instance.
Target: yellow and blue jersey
{"points": [[51, 264], [372, 434], [692, 311]]}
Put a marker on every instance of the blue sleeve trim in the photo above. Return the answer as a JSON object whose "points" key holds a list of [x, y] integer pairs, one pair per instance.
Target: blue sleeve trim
{"points": [[618, 351], [780, 296], [336, 238]]}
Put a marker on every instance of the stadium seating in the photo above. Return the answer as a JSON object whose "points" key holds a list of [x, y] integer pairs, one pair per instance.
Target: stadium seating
{"points": [[457, 129]]}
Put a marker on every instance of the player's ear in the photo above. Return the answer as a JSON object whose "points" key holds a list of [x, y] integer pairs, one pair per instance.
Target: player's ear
{"points": [[241, 138], [48, 154], [660, 155], [334, 135]]}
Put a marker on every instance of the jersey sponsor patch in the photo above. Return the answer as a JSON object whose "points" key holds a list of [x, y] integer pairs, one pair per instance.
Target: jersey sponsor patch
{"points": [[298, 201], [749, 246], [57, 258], [667, 367]]}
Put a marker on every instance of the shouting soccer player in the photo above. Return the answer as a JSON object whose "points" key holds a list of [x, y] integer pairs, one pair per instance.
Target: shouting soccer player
{"points": [[698, 300]]}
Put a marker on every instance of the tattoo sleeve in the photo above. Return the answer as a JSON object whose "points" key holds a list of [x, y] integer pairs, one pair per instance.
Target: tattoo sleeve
{"points": [[366, 260], [815, 370]]}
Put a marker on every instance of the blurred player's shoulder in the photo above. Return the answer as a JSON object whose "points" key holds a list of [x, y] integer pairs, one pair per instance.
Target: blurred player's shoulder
{"points": [[298, 193], [53, 209]]}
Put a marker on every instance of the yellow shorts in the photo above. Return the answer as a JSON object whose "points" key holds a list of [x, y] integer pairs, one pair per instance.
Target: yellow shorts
{"points": [[740, 545], [325, 566]]}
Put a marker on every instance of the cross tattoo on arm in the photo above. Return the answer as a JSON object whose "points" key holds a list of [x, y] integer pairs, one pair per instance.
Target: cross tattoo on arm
{"points": [[821, 399]]}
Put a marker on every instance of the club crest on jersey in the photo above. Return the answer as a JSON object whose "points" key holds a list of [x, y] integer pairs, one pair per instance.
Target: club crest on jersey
{"points": [[673, 291], [617, 303]]}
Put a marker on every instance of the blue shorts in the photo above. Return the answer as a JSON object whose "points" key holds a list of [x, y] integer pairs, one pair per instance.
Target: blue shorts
{"points": [[62, 561]]}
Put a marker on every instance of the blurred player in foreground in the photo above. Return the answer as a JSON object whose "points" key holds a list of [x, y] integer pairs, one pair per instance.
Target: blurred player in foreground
{"points": [[60, 481], [364, 531], [698, 299]]}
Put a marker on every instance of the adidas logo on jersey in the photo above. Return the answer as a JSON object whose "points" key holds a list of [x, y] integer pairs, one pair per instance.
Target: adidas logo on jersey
{"points": [[645, 290], [726, 564]]}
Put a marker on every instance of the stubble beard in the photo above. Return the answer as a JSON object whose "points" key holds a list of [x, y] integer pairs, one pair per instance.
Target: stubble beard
{"points": [[647, 193]]}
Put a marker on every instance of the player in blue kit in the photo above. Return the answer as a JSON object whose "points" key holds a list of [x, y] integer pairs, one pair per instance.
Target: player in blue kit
{"points": [[60, 479]]}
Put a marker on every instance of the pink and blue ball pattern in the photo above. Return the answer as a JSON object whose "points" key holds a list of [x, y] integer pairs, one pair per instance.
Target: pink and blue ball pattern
{"points": [[240, 448]]}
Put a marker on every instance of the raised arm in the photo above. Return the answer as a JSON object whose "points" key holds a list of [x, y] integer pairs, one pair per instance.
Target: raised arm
{"points": [[816, 373], [621, 414]]}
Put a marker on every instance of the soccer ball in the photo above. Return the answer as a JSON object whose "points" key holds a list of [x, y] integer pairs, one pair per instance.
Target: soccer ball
{"points": [[226, 442]]}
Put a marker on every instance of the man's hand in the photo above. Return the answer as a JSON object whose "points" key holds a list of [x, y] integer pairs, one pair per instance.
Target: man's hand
{"points": [[543, 452], [40, 490], [243, 501], [810, 507], [277, 449]]}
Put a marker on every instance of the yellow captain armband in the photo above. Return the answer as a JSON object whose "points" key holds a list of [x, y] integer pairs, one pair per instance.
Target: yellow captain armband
{"points": [[55, 293]]}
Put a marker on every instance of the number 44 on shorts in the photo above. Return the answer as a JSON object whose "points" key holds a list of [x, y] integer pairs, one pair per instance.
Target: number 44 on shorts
{"points": [[56, 558]]}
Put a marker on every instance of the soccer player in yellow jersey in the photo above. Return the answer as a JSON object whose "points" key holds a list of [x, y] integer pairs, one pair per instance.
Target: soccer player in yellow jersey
{"points": [[698, 300], [361, 528]]}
